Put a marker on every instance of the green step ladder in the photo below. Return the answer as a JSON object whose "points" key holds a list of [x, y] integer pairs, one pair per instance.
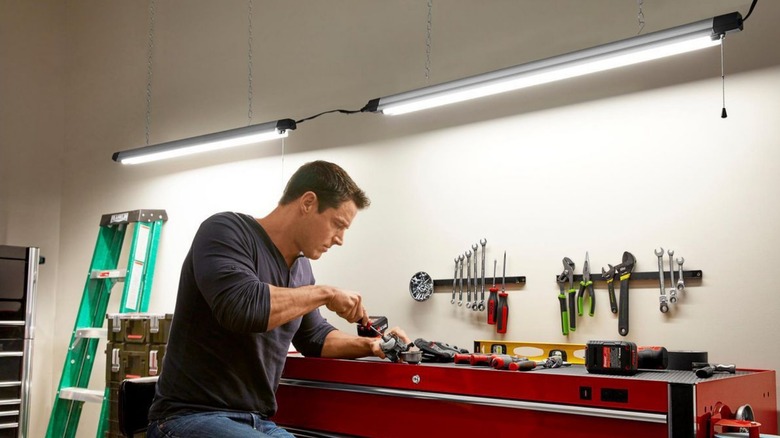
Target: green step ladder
{"points": [[103, 273]]}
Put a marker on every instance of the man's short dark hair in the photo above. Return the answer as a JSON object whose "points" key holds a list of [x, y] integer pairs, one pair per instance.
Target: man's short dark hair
{"points": [[329, 182]]}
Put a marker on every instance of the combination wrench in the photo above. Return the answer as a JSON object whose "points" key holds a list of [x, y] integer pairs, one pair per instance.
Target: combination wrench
{"points": [[468, 279], [673, 288], [460, 296], [662, 298], [482, 242], [454, 281], [476, 276], [680, 282]]}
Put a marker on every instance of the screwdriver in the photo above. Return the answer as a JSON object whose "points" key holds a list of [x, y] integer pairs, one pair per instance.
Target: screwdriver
{"points": [[492, 306], [502, 314]]}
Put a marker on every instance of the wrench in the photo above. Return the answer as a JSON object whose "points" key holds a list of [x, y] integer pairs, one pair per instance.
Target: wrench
{"points": [[468, 279], [662, 298], [482, 242], [672, 289], [460, 296], [476, 276], [680, 282], [454, 281]]}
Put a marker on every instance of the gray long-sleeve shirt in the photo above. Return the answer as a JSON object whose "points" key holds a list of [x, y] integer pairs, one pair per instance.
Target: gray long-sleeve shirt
{"points": [[220, 355]]}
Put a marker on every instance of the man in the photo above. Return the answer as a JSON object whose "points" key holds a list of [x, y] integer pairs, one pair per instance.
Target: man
{"points": [[246, 292]]}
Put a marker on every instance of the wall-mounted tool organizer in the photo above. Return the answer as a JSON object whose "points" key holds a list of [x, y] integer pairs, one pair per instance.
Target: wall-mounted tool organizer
{"points": [[651, 275], [511, 283]]}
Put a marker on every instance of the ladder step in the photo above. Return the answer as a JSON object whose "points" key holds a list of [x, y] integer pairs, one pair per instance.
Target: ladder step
{"points": [[82, 394], [108, 273], [92, 333]]}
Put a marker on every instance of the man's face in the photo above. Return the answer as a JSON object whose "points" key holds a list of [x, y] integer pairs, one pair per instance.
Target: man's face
{"points": [[320, 231]]}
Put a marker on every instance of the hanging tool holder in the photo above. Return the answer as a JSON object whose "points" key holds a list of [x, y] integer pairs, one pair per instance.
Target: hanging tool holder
{"points": [[596, 278]]}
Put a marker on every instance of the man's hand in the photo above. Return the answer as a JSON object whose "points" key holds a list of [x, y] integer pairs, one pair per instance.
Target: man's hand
{"points": [[348, 305], [376, 344]]}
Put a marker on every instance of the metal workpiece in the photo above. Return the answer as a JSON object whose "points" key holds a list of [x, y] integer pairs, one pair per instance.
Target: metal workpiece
{"points": [[468, 279], [672, 287], [664, 305], [680, 282]]}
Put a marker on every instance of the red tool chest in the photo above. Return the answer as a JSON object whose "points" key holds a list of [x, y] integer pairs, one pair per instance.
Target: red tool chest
{"points": [[376, 398]]}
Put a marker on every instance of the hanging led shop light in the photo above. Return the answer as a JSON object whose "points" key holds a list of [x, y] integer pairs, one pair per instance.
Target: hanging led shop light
{"points": [[203, 143], [681, 39]]}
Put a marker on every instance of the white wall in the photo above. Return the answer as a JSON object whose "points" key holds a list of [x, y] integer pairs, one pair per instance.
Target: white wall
{"points": [[628, 160]]}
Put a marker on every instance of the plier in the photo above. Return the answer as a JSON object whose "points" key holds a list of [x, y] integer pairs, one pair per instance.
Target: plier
{"points": [[568, 318], [586, 288]]}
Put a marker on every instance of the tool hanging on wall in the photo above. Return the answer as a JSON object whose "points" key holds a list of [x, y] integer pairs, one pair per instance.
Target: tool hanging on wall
{"points": [[421, 286], [567, 276], [481, 308], [609, 276], [663, 304], [502, 312], [492, 306], [475, 304], [623, 270], [468, 279], [586, 290]]}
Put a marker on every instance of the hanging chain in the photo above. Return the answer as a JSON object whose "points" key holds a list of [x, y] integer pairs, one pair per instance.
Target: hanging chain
{"points": [[428, 41], [640, 16], [149, 70], [723, 113], [249, 65]]}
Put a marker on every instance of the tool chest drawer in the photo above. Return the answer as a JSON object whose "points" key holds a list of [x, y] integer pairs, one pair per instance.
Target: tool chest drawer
{"points": [[459, 400]]}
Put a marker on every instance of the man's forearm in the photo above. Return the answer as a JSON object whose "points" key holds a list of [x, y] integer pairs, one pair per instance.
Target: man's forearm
{"points": [[288, 304], [345, 346]]}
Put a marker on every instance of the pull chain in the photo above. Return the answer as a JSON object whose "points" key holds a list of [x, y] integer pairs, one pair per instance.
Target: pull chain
{"points": [[149, 70], [249, 64], [428, 41], [640, 16], [723, 113]]}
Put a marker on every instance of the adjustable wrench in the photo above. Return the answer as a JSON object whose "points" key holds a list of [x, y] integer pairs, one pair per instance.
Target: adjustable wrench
{"points": [[624, 272], [454, 281], [468, 279], [460, 296], [474, 304], [482, 242], [662, 298], [680, 282], [672, 289], [609, 276]]}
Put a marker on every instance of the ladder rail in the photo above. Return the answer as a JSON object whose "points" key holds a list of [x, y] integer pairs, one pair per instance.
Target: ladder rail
{"points": [[77, 370]]}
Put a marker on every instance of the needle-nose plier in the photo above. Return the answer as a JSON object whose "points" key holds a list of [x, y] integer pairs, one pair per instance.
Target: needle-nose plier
{"points": [[586, 289]]}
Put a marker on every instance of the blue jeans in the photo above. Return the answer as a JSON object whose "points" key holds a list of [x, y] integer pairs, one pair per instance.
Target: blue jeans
{"points": [[217, 425]]}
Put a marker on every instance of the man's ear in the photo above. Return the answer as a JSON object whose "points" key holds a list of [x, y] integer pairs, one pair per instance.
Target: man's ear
{"points": [[309, 202]]}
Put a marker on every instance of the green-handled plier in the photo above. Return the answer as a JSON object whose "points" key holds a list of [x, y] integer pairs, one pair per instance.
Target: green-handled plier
{"points": [[568, 317], [586, 288]]}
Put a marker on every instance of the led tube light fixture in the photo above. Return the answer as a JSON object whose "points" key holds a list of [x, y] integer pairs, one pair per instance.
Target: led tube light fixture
{"points": [[681, 39], [208, 142]]}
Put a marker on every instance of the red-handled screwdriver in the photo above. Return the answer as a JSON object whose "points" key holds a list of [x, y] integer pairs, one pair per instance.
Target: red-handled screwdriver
{"points": [[502, 313], [492, 304]]}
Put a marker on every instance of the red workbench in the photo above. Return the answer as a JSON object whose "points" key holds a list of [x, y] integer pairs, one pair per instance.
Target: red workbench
{"points": [[377, 398]]}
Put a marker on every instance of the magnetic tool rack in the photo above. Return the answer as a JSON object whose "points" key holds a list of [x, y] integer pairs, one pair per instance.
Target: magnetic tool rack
{"points": [[514, 282], [649, 275], [510, 282]]}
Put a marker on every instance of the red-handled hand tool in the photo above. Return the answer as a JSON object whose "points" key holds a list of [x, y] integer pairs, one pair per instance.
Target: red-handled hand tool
{"points": [[502, 315], [492, 304]]}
